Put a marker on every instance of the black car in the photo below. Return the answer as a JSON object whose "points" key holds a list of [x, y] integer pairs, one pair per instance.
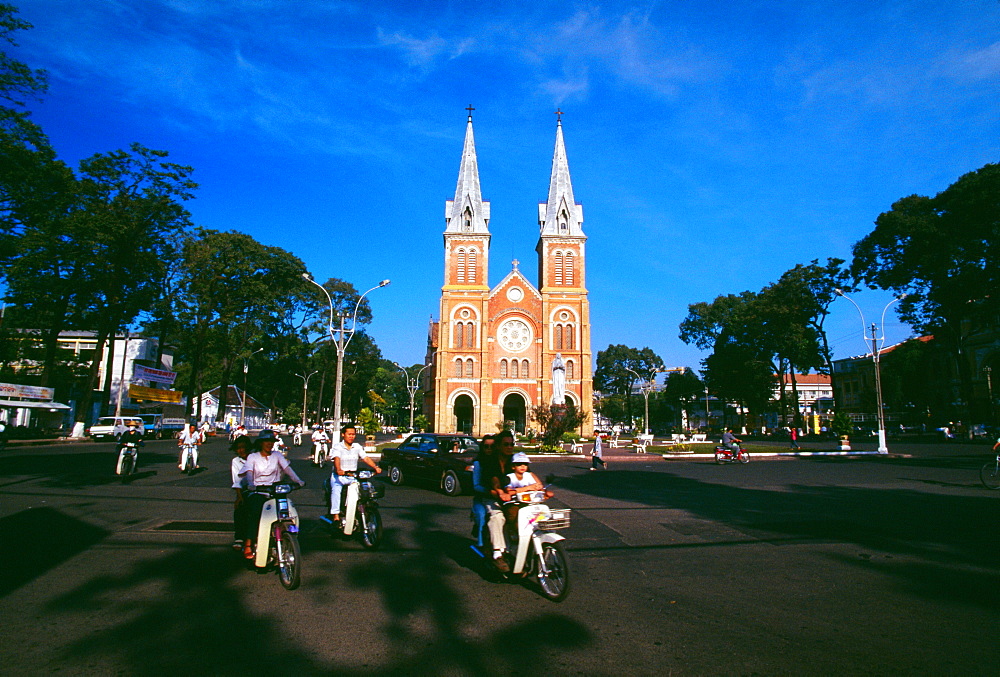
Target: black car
{"points": [[445, 460]]}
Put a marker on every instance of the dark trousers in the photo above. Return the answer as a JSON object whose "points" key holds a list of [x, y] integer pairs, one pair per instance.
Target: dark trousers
{"points": [[597, 460], [252, 506]]}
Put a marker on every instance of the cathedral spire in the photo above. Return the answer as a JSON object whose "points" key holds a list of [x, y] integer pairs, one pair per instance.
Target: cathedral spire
{"points": [[560, 215], [468, 213]]}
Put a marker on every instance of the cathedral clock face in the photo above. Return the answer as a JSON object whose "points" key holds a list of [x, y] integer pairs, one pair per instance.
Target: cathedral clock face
{"points": [[514, 335]]}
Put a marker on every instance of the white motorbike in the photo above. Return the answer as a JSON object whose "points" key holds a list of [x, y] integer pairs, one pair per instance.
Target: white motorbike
{"points": [[320, 452], [297, 439], [359, 512], [277, 535], [534, 551], [189, 458], [128, 458]]}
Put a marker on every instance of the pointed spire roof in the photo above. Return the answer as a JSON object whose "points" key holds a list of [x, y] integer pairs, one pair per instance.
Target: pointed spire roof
{"points": [[560, 215], [468, 213]]}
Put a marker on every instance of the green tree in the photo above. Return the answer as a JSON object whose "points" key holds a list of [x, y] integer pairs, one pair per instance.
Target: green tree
{"points": [[620, 367], [944, 254]]}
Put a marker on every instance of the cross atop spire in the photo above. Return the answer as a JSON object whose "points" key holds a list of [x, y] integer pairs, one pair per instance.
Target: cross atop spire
{"points": [[514, 263], [470, 109], [559, 114], [468, 212]]}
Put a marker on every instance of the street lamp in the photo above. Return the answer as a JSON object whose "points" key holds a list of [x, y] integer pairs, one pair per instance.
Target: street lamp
{"points": [[412, 384], [645, 388], [243, 399], [989, 388], [877, 343], [341, 344], [305, 392]]}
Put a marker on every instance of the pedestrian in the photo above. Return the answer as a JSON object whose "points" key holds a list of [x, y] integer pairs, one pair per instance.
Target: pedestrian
{"points": [[793, 434], [597, 453]]}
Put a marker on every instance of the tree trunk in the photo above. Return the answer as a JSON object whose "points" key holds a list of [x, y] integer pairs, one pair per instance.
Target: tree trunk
{"points": [[93, 374]]}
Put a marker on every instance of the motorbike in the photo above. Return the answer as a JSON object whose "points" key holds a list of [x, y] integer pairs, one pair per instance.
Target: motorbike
{"points": [[277, 535], [359, 512], [534, 551], [128, 457], [188, 464], [297, 439], [320, 452], [726, 455]]}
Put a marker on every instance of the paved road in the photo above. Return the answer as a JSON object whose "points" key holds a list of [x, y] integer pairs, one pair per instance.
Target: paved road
{"points": [[821, 566]]}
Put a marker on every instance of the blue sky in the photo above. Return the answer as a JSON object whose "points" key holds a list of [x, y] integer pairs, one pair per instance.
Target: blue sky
{"points": [[714, 145]]}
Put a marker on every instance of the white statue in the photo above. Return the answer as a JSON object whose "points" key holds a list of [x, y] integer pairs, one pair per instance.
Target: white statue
{"points": [[558, 380]]}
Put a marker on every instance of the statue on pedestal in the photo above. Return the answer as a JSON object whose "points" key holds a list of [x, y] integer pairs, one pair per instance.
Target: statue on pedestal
{"points": [[558, 380]]}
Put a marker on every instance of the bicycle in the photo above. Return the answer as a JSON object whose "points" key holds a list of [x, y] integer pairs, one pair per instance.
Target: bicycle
{"points": [[989, 475]]}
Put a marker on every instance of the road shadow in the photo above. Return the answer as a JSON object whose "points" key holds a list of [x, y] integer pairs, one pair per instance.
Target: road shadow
{"points": [[948, 531], [418, 586], [40, 539]]}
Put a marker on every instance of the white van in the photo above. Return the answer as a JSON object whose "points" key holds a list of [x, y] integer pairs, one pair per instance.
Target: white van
{"points": [[109, 426]]}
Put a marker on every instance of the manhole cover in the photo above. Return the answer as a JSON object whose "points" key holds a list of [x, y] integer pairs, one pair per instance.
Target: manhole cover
{"points": [[196, 526]]}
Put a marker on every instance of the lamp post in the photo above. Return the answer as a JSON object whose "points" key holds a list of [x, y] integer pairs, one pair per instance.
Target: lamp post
{"points": [[645, 388], [243, 398], [305, 393], [341, 342], [877, 343], [989, 388], [412, 384]]}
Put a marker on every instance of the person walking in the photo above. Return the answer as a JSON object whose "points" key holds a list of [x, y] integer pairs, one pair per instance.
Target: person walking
{"points": [[597, 453], [793, 435]]}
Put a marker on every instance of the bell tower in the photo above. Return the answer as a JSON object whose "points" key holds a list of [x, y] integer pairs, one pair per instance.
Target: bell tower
{"points": [[562, 281]]}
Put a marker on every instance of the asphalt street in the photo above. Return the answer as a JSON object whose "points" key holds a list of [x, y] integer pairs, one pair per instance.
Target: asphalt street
{"points": [[791, 566]]}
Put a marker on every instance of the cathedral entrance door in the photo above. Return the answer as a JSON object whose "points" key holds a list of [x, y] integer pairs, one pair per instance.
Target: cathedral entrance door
{"points": [[465, 412], [515, 409]]}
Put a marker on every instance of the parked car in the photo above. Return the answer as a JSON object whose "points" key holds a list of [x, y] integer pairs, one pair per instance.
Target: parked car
{"points": [[109, 426], [445, 460]]}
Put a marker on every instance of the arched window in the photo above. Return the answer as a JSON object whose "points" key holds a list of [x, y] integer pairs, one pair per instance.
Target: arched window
{"points": [[559, 267], [503, 368], [568, 339], [570, 372], [525, 371], [468, 368], [460, 268], [568, 268], [459, 341], [558, 337], [563, 218], [470, 335], [467, 220], [458, 368], [514, 368], [470, 274]]}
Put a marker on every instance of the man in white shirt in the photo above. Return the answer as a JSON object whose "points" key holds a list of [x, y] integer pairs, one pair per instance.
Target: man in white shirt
{"points": [[190, 436], [319, 437], [346, 454]]}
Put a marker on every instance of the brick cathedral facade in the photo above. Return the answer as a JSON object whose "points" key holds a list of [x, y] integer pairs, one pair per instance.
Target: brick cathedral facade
{"points": [[492, 348]]}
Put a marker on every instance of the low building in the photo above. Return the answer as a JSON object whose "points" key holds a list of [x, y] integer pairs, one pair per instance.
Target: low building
{"points": [[239, 408]]}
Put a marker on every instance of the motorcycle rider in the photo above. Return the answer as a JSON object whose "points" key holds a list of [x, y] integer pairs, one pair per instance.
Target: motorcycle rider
{"points": [[193, 437], [131, 435], [319, 437], [346, 454], [261, 468], [482, 495], [731, 442], [497, 474], [241, 447]]}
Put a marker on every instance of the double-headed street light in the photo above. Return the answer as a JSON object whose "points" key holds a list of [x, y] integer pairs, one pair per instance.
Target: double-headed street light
{"points": [[877, 343], [342, 340], [646, 387], [413, 384], [305, 393]]}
